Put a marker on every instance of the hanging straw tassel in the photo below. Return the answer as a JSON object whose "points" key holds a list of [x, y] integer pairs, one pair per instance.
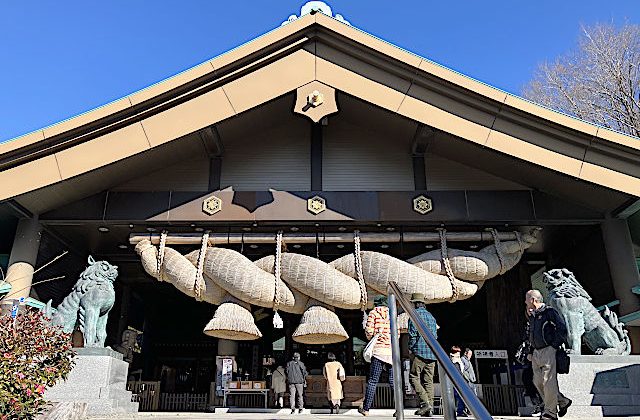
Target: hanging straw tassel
{"points": [[277, 320], [496, 242], [199, 283], [163, 243], [447, 265], [319, 325], [233, 321], [357, 259]]}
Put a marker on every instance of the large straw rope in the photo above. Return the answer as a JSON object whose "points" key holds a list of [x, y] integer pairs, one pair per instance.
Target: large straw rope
{"points": [[336, 283], [290, 281]]}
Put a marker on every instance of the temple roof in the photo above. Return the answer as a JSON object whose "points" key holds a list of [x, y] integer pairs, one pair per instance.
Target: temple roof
{"points": [[316, 47]]}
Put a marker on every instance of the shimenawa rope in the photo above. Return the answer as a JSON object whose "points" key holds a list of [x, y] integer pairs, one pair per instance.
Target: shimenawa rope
{"points": [[277, 320], [163, 243], [496, 241], [357, 258], [447, 264], [201, 255]]}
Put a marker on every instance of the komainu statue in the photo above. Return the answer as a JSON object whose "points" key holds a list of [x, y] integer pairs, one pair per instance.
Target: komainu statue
{"points": [[602, 333], [87, 306]]}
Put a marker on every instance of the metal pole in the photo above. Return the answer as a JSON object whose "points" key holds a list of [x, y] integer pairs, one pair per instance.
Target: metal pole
{"points": [[395, 357], [446, 391], [466, 393]]}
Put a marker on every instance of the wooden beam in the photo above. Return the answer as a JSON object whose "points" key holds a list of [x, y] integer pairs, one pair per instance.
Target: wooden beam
{"points": [[215, 173], [215, 149], [212, 141], [308, 238], [421, 140], [316, 157]]}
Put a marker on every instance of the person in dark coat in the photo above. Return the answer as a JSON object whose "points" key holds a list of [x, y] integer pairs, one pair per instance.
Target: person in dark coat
{"points": [[547, 333], [297, 378]]}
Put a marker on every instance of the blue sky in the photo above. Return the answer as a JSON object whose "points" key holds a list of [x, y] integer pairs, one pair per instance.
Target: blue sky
{"points": [[62, 58]]}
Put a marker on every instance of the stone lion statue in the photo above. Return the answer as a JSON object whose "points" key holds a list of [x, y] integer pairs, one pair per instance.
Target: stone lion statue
{"points": [[87, 306], [602, 333]]}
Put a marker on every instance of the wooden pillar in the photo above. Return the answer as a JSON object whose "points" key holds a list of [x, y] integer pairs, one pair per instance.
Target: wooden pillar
{"points": [[349, 350], [506, 308], [624, 272], [622, 263], [125, 302], [23, 257]]}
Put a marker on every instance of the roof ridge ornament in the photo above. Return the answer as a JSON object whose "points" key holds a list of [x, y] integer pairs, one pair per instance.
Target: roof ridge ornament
{"points": [[316, 6]]}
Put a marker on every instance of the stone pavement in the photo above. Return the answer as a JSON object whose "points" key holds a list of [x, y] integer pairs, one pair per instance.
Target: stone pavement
{"points": [[306, 415]]}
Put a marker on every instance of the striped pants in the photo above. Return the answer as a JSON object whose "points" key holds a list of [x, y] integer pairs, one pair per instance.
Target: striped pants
{"points": [[377, 366]]}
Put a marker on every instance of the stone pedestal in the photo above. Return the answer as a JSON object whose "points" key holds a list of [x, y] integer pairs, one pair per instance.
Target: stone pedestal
{"points": [[602, 386], [98, 379]]}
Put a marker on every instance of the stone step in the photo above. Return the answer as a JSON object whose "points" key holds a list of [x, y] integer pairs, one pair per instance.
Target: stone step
{"points": [[69, 390], [95, 407], [606, 399], [115, 393], [581, 411], [122, 406]]}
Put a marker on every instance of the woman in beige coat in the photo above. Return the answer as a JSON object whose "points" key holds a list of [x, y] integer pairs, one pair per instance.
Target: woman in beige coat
{"points": [[334, 374]]}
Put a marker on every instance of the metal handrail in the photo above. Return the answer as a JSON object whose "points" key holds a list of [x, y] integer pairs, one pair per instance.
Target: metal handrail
{"points": [[451, 372]]}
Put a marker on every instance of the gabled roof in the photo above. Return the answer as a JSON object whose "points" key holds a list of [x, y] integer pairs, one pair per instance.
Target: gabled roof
{"points": [[317, 47]]}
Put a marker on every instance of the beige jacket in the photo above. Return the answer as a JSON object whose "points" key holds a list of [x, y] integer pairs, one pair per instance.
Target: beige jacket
{"points": [[334, 374]]}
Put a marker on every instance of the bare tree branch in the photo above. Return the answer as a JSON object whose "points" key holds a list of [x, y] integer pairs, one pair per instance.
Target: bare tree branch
{"points": [[599, 81]]}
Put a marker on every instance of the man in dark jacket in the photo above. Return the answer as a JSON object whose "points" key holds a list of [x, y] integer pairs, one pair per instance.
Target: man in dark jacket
{"points": [[547, 333], [296, 376]]}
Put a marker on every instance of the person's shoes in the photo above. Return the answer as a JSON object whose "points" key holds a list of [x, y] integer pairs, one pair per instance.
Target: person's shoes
{"points": [[293, 411], [361, 411], [337, 408], [428, 413], [422, 410], [547, 416], [537, 411], [300, 411], [563, 410]]}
